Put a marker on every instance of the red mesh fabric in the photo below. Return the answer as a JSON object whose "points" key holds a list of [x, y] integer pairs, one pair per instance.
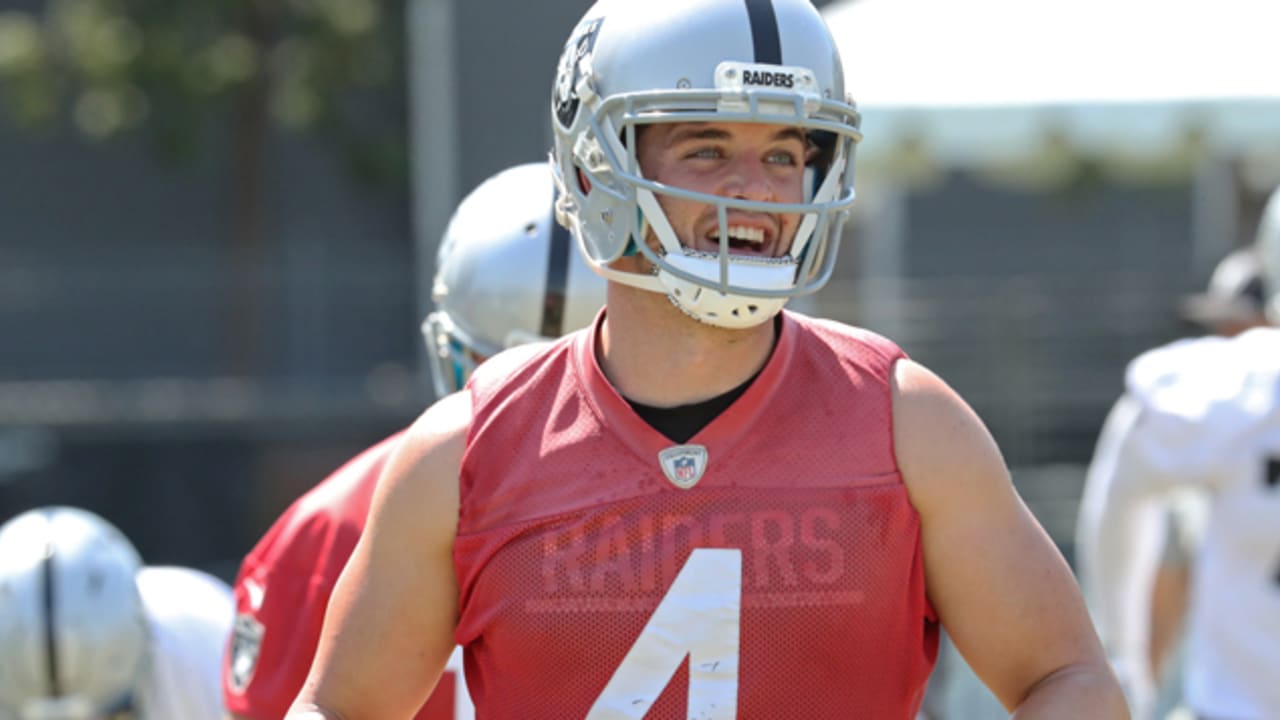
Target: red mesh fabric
{"points": [[570, 535], [285, 582]]}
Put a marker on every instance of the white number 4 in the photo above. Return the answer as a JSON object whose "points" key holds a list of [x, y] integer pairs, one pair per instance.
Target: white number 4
{"points": [[698, 618]]}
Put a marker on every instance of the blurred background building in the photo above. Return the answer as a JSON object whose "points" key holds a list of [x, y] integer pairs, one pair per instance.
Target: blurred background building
{"points": [[1041, 182], [217, 222]]}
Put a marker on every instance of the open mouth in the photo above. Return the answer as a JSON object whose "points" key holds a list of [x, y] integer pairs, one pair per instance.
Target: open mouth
{"points": [[742, 238]]}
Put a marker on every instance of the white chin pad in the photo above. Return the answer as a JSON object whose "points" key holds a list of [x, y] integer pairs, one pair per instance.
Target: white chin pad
{"points": [[743, 273], [707, 304]]}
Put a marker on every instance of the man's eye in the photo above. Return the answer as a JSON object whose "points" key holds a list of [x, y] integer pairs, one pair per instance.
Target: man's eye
{"points": [[783, 158], [705, 153]]}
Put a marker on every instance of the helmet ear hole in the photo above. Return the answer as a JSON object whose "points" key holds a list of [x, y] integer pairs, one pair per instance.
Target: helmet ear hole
{"points": [[822, 150]]}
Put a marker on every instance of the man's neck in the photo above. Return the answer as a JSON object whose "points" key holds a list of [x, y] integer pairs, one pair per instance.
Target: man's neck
{"points": [[654, 354]]}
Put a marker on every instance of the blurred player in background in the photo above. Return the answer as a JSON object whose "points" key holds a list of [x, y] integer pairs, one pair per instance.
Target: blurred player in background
{"points": [[506, 274], [87, 632], [1232, 303], [1202, 414]]}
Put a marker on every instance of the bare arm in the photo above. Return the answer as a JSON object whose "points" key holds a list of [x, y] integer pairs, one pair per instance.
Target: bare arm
{"points": [[1121, 529], [1001, 588], [389, 627]]}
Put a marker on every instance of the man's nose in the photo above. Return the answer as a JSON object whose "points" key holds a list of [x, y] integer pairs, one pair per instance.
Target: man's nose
{"points": [[748, 179]]}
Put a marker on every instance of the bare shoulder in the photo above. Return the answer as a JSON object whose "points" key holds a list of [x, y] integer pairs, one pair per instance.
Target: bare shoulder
{"points": [[440, 431], [999, 585], [942, 446], [916, 386], [422, 476], [388, 628]]}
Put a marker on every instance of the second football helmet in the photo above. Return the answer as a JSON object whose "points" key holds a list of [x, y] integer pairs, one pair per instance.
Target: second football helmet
{"points": [[1268, 245], [1234, 295], [506, 274], [629, 64], [73, 634]]}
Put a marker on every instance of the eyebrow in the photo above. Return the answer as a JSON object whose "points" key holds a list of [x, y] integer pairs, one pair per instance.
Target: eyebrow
{"points": [[700, 131]]}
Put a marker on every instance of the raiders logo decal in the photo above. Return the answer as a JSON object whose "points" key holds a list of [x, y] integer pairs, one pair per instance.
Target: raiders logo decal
{"points": [[246, 641], [576, 53]]}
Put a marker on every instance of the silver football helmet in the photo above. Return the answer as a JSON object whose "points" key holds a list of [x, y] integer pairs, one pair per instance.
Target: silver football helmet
{"points": [[1234, 296], [630, 63], [1268, 244], [506, 274], [73, 635]]}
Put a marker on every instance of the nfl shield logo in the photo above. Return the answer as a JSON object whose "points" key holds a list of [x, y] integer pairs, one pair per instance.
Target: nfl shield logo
{"points": [[685, 468], [683, 464]]}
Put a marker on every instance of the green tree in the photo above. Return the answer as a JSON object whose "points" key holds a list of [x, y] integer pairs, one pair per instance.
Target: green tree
{"points": [[182, 72]]}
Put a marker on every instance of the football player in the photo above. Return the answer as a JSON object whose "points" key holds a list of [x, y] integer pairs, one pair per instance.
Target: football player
{"points": [[87, 632], [506, 275], [1203, 414]]}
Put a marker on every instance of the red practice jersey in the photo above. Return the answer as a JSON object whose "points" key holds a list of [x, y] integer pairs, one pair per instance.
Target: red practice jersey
{"points": [[768, 568], [284, 586]]}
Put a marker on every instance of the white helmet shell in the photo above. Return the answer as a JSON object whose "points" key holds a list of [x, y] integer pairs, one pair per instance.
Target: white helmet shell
{"points": [[73, 635], [1234, 293], [1267, 242], [630, 63], [506, 274]]}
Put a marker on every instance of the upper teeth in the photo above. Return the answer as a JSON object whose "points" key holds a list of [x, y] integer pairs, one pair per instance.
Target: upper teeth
{"points": [[750, 234]]}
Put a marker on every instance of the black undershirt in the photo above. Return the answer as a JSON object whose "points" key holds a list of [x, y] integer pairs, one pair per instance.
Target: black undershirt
{"points": [[684, 421]]}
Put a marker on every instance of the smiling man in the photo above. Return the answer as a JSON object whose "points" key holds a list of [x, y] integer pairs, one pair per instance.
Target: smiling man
{"points": [[702, 505]]}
